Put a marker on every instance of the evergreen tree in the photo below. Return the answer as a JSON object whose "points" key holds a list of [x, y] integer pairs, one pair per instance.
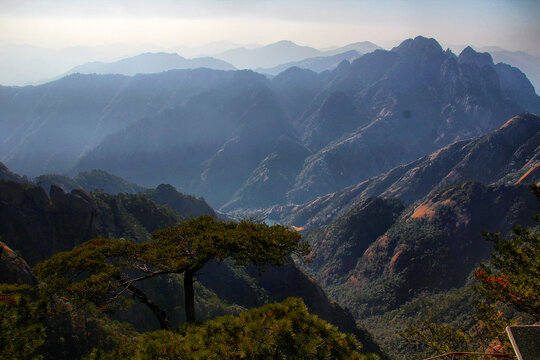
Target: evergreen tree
{"points": [[103, 271]]}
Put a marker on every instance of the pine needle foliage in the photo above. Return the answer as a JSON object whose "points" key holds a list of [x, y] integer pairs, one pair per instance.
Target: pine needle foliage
{"points": [[21, 322], [275, 331]]}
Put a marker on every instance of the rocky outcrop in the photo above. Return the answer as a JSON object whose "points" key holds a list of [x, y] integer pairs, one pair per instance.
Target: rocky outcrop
{"points": [[76, 217], [468, 55], [27, 220], [13, 268], [183, 204], [6, 174], [90, 181], [38, 226], [513, 82]]}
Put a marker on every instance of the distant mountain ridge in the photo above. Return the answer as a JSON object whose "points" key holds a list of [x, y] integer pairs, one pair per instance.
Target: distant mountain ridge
{"points": [[276, 57], [268, 56], [362, 47], [513, 82], [148, 63], [316, 64], [527, 62]]}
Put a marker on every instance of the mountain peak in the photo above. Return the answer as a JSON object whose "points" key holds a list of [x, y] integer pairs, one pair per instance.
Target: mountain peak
{"points": [[470, 56], [288, 45], [419, 44], [283, 42]]}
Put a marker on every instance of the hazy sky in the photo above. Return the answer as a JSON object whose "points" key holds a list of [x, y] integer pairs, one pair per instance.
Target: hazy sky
{"points": [[513, 24]]}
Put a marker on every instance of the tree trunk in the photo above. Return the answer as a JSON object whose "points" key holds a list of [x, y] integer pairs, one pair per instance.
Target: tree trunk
{"points": [[189, 295], [160, 315]]}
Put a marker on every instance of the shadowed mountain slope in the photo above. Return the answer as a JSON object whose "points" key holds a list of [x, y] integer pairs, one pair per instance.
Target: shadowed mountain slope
{"points": [[209, 146], [45, 129], [268, 183]]}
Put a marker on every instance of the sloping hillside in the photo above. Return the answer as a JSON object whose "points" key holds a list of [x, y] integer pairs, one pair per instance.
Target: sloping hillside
{"points": [[508, 155], [420, 251]]}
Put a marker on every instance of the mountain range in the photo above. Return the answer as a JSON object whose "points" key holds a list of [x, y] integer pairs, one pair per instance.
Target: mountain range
{"points": [[289, 55], [47, 128], [361, 47], [279, 56], [24, 64], [316, 64], [316, 133], [149, 63], [267, 56]]}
